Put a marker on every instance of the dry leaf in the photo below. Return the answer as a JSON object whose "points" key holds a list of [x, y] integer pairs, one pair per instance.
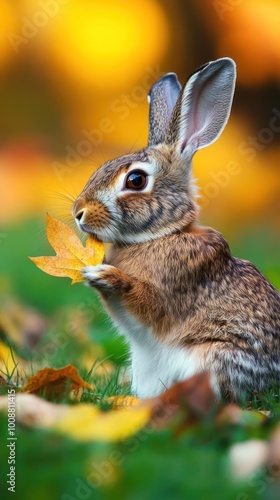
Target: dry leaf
{"points": [[71, 255], [191, 400], [56, 384], [83, 422], [194, 398], [120, 402]]}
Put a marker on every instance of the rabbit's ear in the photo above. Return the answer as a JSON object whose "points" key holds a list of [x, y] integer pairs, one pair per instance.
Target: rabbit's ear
{"points": [[162, 98], [203, 107]]}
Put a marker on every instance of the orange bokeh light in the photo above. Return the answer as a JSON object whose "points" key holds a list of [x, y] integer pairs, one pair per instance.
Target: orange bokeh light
{"points": [[247, 31]]}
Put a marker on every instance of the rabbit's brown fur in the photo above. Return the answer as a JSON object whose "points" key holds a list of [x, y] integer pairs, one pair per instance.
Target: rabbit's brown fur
{"points": [[172, 286]]}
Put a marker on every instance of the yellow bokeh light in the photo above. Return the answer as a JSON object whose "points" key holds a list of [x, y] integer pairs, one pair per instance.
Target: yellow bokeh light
{"points": [[228, 178], [105, 44], [8, 27]]}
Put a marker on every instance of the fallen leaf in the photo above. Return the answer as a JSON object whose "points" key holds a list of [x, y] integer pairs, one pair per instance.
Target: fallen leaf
{"points": [[56, 384], [120, 402], [71, 256], [245, 458], [193, 398], [83, 422]]}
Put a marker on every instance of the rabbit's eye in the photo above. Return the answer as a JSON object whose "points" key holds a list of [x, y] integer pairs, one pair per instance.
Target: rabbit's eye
{"points": [[136, 180]]}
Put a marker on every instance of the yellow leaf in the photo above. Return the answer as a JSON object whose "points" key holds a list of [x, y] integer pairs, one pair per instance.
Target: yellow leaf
{"points": [[120, 402], [97, 247], [71, 256], [55, 383], [83, 422]]}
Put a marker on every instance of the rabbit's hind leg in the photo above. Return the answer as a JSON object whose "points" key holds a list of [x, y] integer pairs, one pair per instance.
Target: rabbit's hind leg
{"points": [[236, 373]]}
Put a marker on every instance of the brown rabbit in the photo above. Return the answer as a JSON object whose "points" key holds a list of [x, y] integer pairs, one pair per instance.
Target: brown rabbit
{"points": [[171, 286]]}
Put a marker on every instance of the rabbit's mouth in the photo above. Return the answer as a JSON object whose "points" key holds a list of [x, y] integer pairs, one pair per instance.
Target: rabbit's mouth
{"points": [[89, 230], [92, 217], [85, 228], [107, 235]]}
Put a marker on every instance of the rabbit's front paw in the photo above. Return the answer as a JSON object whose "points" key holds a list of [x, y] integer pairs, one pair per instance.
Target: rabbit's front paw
{"points": [[107, 278]]}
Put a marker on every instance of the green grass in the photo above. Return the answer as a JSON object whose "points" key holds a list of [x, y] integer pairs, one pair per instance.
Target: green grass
{"points": [[151, 465]]}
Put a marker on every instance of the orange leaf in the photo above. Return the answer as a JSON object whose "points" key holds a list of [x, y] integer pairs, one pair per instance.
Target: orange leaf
{"points": [[55, 383], [192, 398], [71, 256]]}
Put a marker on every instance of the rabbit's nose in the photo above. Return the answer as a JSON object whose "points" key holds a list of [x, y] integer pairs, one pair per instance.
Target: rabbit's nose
{"points": [[79, 215], [79, 208]]}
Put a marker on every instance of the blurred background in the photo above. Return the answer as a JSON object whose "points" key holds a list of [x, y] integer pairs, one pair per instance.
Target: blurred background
{"points": [[73, 93], [74, 78]]}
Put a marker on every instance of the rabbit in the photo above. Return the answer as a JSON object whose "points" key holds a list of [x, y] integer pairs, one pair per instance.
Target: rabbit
{"points": [[170, 285]]}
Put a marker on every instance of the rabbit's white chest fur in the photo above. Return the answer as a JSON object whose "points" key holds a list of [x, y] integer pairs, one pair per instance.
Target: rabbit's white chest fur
{"points": [[155, 366]]}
